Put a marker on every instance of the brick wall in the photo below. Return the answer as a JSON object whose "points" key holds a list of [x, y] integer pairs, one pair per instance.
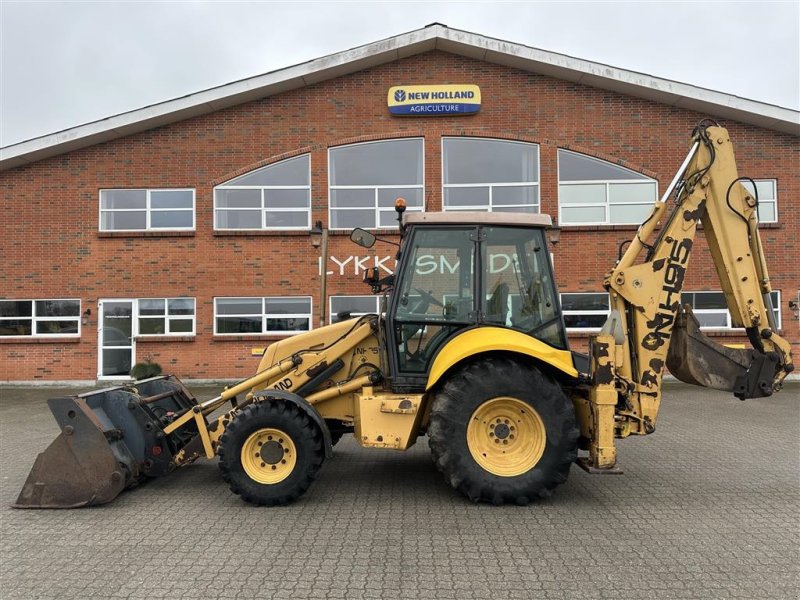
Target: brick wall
{"points": [[51, 247]]}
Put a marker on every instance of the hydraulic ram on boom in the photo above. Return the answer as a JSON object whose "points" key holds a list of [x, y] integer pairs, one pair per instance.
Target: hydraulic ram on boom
{"points": [[649, 328]]}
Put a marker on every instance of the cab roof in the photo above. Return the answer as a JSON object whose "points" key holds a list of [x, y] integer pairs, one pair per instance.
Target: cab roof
{"points": [[518, 219]]}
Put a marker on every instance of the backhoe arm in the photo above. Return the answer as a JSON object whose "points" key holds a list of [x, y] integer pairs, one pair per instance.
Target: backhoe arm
{"points": [[648, 328], [730, 223]]}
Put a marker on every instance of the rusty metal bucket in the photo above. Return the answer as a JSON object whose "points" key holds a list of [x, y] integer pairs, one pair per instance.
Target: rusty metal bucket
{"points": [[110, 440], [78, 468], [694, 358]]}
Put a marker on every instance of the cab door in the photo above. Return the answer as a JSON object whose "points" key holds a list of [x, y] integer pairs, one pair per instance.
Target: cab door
{"points": [[518, 290], [434, 300]]}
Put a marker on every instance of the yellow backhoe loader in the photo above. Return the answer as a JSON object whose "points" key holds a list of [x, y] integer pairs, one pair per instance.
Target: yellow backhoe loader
{"points": [[471, 351]]}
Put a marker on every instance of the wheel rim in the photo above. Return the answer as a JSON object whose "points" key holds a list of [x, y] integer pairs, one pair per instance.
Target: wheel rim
{"points": [[506, 436], [268, 456]]}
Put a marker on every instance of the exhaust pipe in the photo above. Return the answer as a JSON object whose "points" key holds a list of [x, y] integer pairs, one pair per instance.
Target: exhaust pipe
{"points": [[110, 440]]}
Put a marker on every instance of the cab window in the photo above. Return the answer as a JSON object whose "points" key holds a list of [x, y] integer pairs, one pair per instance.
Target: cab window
{"points": [[518, 287], [437, 295]]}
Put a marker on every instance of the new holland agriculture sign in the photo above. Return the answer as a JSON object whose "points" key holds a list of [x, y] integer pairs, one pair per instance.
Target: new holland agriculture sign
{"points": [[434, 100]]}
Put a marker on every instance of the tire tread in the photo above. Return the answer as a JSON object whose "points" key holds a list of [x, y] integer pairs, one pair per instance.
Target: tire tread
{"points": [[453, 406], [260, 414]]}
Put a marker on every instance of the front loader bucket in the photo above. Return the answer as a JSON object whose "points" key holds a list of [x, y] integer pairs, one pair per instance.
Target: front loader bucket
{"points": [[694, 358], [110, 440], [78, 468]]}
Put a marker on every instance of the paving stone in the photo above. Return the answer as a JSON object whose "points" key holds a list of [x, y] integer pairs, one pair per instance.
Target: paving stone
{"points": [[709, 507]]}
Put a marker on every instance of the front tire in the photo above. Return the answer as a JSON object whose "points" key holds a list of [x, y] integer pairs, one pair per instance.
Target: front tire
{"points": [[503, 432], [271, 453]]}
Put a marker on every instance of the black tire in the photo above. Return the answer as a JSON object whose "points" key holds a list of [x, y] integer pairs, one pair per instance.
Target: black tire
{"points": [[303, 433], [485, 381]]}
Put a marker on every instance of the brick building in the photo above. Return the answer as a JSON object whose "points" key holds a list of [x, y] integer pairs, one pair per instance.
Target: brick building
{"points": [[184, 232]]}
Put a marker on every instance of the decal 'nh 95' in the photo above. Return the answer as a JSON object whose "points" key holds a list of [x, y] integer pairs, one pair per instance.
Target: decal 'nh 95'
{"points": [[661, 326]]}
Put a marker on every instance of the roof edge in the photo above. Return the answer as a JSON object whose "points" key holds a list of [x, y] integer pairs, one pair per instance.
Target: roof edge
{"points": [[478, 217], [434, 36]]}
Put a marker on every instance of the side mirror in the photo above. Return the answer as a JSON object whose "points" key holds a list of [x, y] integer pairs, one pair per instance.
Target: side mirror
{"points": [[371, 276], [362, 237]]}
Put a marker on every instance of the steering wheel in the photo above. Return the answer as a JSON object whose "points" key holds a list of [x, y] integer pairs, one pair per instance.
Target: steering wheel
{"points": [[420, 307]]}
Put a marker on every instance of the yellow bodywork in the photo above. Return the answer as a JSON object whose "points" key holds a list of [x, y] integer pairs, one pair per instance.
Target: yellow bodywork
{"points": [[627, 365], [494, 339], [379, 418], [385, 420]]}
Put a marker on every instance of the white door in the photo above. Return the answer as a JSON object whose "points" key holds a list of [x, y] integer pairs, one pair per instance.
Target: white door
{"points": [[117, 350]]}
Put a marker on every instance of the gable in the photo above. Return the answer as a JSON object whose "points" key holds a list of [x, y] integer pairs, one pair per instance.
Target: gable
{"points": [[432, 37]]}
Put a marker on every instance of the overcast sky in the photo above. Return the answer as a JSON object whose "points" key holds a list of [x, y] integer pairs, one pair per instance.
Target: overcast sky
{"points": [[69, 63]]}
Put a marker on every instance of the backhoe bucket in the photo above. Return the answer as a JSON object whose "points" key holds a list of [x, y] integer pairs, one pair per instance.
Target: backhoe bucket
{"points": [[110, 440], [694, 358]]}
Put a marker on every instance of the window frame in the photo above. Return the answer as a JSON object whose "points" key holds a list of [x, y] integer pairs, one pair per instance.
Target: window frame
{"points": [[728, 326], [263, 209], [376, 207], [565, 312], [265, 315], [607, 204], [166, 316], [773, 200], [490, 206], [147, 210], [376, 297], [34, 319]]}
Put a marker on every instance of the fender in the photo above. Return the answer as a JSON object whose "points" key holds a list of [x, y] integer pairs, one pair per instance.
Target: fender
{"points": [[488, 339], [303, 405]]}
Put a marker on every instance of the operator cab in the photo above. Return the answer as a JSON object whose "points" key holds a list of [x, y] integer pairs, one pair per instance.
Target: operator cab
{"points": [[461, 270]]}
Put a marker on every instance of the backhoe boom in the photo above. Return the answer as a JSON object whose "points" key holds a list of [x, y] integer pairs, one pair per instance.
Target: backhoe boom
{"points": [[648, 328]]}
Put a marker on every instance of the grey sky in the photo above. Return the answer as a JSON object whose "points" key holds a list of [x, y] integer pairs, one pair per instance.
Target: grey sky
{"points": [[67, 63]]}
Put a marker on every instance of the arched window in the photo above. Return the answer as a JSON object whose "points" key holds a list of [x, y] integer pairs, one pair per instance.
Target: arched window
{"points": [[490, 175], [596, 192], [277, 197], [365, 180]]}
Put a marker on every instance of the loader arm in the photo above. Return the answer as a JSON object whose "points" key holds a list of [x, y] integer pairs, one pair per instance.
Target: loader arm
{"points": [[118, 437], [648, 328]]}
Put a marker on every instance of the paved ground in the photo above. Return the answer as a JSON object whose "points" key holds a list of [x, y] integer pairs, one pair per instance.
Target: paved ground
{"points": [[709, 507]]}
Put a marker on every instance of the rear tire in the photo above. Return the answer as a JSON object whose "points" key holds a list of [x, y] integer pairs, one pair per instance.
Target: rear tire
{"points": [[503, 432], [271, 453]]}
